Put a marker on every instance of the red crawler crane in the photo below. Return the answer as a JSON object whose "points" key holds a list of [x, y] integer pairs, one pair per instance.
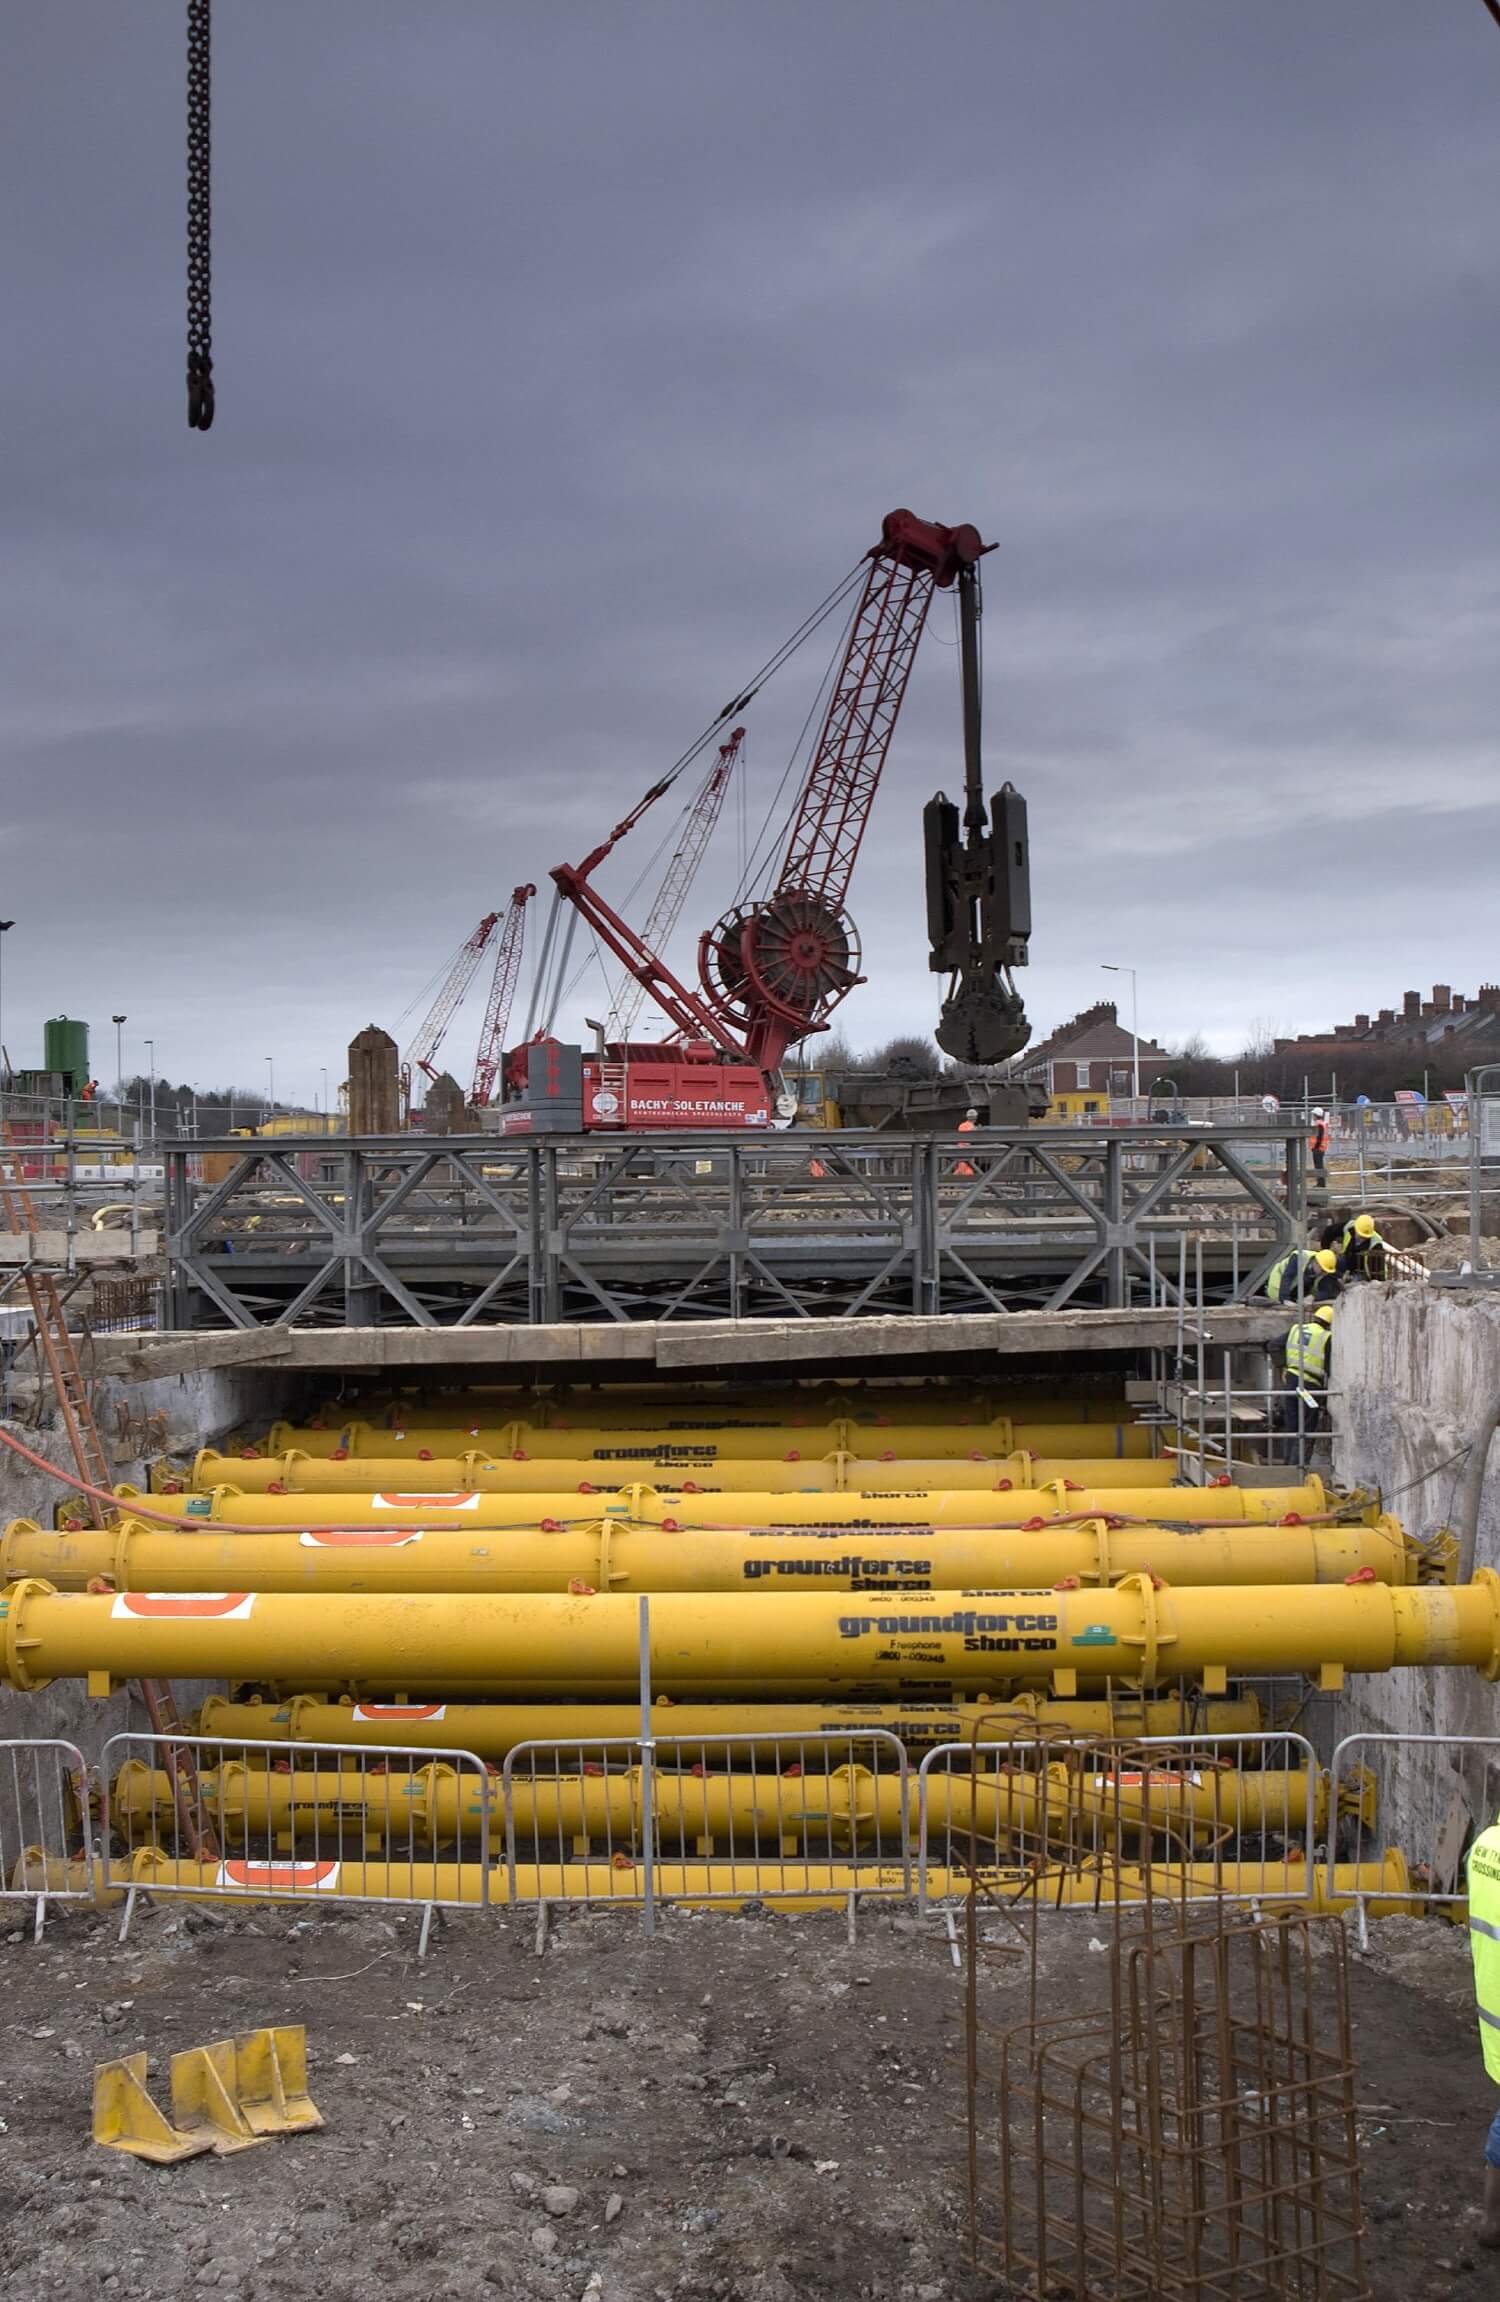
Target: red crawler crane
{"points": [[773, 970]]}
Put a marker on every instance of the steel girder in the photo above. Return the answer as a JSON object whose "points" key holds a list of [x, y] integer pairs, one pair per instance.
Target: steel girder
{"points": [[456, 1230]]}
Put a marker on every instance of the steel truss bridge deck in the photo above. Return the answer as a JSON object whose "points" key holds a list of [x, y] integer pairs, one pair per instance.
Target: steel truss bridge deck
{"points": [[448, 1231]]}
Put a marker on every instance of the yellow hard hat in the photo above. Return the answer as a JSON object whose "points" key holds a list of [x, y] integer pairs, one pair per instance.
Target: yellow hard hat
{"points": [[1365, 1226], [1324, 1312], [1326, 1259]]}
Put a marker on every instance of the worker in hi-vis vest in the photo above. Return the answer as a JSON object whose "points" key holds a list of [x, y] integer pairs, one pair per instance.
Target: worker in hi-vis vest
{"points": [[1484, 1941], [1317, 1143], [1306, 1377], [1309, 1272], [1361, 1249]]}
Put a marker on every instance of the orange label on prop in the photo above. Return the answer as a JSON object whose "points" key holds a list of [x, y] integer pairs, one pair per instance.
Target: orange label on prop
{"points": [[182, 1606], [375, 1713], [359, 1539], [280, 1877], [460, 1502]]}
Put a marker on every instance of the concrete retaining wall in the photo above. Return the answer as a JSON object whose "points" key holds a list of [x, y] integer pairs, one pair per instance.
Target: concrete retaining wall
{"points": [[1411, 1366]]}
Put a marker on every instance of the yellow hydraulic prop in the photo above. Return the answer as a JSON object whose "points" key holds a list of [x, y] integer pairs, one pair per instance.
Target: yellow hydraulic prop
{"points": [[802, 1886], [620, 1555], [688, 1730], [296, 1472], [726, 1643], [1201, 1506], [703, 1446], [845, 1806]]}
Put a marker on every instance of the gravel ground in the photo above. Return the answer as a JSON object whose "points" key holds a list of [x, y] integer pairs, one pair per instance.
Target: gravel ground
{"points": [[748, 2110]]}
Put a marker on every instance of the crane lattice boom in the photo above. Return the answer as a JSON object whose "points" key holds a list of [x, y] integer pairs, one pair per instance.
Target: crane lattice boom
{"points": [[502, 991], [771, 971], [424, 1047], [775, 969], [677, 880]]}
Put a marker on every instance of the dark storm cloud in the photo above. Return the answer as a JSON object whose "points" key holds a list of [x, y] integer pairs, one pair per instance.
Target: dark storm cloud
{"points": [[567, 357]]}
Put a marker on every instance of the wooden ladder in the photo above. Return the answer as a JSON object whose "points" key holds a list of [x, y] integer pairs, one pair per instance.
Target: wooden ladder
{"points": [[94, 1468]]}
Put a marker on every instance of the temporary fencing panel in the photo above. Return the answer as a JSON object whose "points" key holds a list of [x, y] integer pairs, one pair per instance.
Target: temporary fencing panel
{"points": [[1442, 1787], [202, 1815], [1074, 1825], [734, 1818], [47, 1848]]}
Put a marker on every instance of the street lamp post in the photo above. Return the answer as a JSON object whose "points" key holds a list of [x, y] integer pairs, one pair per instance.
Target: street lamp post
{"points": [[118, 1021], [270, 1085], [151, 1090], [5, 927], [327, 1129], [1110, 968]]}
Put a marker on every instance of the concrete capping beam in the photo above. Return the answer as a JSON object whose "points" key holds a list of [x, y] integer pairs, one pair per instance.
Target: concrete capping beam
{"points": [[56, 1249], [671, 1345]]}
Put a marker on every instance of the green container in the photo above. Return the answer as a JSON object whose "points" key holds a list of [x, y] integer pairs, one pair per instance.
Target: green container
{"points": [[65, 1048]]}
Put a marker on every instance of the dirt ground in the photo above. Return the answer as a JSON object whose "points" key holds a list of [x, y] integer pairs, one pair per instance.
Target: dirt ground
{"points": [[748, 2109]]}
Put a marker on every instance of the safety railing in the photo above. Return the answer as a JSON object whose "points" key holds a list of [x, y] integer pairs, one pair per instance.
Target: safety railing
{"points": [[729, 1818], [47, 1848], [1431, 1792], [1057, 1824], [201, 1816]]}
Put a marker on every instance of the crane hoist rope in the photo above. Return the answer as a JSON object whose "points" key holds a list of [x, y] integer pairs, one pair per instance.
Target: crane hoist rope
{"points": [[698, 822], [548, 997]]}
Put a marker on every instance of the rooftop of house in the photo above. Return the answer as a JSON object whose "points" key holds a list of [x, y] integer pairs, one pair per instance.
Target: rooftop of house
{"points": [[1094, 1034], [1447, 1014]]}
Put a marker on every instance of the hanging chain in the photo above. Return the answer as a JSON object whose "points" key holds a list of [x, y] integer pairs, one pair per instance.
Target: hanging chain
{"points": [[200, 366]]}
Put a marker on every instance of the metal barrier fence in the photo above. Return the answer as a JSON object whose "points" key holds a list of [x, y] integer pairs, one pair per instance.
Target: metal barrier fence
{"points": [[818, 1820], [1156, 1820], [198, 1815], [736, 1817], [1443, 1786], [47, 1848]]}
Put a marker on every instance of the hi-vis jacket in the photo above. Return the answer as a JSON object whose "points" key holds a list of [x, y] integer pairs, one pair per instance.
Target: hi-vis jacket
{"points": [[1484, 1941], [1307, 1355], [1282, 1278]]}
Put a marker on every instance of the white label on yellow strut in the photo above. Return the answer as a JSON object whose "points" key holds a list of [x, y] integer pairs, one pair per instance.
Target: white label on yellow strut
{"points": [[280, 1877], [1158, 1775], [182, 1606]]}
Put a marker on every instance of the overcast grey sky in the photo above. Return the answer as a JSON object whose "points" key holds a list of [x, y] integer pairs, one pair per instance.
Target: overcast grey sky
{"points": [[568, 354]]}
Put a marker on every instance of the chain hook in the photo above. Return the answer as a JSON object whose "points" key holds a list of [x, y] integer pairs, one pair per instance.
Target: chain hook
{"points": [[200, 366]]}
